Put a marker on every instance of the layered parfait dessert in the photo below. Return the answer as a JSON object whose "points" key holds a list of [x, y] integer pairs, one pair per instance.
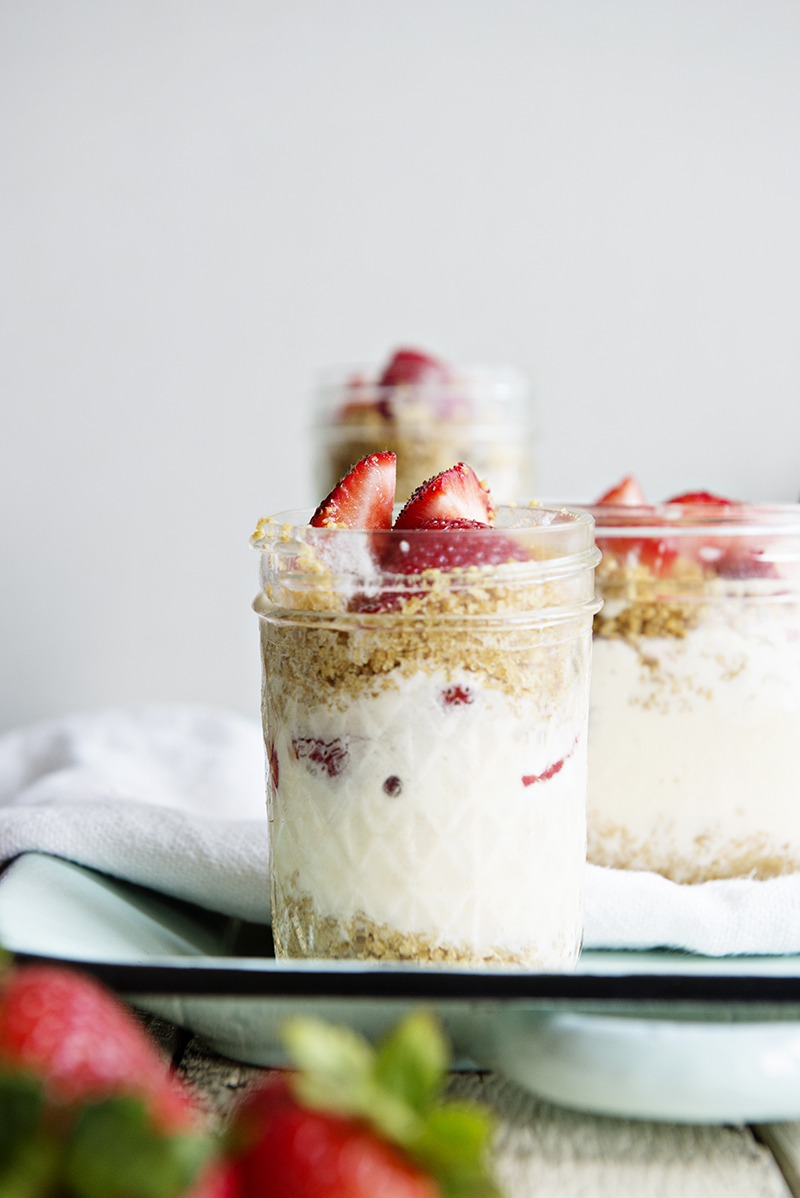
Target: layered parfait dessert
{"points": [[425, 700], [428, 414], [695, 706]]}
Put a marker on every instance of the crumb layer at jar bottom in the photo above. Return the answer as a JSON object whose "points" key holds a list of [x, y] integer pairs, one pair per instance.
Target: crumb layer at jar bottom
{"points": [[301, 933]]}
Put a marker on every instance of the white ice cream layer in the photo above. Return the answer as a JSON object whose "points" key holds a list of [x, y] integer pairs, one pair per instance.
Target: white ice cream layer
{"points": [[415, 813], [694, 756]]}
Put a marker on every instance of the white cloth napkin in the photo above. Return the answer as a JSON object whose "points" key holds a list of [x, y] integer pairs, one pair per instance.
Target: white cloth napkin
{"points": [[167, 795], [632, 909], [172, 796]]}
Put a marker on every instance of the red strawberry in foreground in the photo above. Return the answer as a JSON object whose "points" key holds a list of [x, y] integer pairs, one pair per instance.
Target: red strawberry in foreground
{"points": [[412, 366], [74, 1035], [455, 494], [356, 1122], [627, 493], [301, 1153], [87, 1107], [364, 498], [440, 549]]}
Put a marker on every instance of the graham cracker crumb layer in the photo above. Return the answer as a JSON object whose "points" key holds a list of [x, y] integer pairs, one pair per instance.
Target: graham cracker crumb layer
{"points": [[637, 604], [754, 857], [301, 933], [336, 660]]}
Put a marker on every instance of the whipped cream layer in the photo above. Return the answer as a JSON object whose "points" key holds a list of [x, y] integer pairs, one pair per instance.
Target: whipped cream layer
{"points": [[435, 819], [694, 758]]}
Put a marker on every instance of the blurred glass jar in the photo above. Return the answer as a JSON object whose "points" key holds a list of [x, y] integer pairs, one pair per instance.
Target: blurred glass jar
{"points": [[426, 739], [694, 759], [431, 416]]}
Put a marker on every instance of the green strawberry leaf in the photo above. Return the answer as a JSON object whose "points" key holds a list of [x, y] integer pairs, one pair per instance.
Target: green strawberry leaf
{"points": [[397, 1091], [21, 1105], [335, 1064], [29, 1157], [411, 1061], [454, 1148], [337, 1073], [116, 1152], [33, 1168]]}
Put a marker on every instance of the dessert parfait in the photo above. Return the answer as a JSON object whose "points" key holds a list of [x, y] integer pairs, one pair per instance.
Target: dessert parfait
{"points": [[425, 699], [695, 706], [429, 415]]}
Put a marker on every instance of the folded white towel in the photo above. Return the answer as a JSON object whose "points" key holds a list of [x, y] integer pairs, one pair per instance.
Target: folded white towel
{"points": [[172, 796], [632, 909]]}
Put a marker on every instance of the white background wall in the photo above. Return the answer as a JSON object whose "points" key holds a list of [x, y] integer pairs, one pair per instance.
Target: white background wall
{"points": [[204, 201]]}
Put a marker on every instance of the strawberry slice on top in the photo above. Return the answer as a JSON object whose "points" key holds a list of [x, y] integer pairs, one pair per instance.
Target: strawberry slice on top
{"points": [[701, 497], [627, 493], [455, 494], [439, 549], [364, 498], [656, 554], [412, 366]]}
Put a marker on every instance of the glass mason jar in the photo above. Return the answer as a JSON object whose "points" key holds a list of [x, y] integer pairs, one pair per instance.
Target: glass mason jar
{"points": [[481, 415], [426, 739], [694, 761]]}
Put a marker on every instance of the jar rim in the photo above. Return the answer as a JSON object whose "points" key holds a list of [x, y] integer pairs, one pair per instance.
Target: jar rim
{"points": [[695, 520], [556, 520], [361, 566]]}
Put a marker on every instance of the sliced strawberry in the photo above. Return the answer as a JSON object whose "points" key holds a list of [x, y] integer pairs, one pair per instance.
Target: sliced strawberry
{"points": [[743, 561], [437, 545], [627, 493], [364, 497], [455, 494], [412, 366], [701, 497], [546, 775], [655, 553], [329, 757], [658, 555]]}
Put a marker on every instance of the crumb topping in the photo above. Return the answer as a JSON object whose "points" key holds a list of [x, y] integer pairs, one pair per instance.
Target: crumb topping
{"points": [[442, 628], [638, 604]]}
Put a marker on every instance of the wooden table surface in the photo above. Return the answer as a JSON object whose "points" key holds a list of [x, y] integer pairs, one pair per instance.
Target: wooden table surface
{"points": [[551, 1152]]}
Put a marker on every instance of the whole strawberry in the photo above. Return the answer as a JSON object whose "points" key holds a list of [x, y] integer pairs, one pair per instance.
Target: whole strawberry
{"points": [[88, 1107], [355, 1122], [75, 1036], [299, 1153]]}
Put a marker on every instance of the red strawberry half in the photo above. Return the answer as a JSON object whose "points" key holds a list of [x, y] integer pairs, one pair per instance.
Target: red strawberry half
{"points": [[364, 498], [455, 494], [412, 366], [437, 545], [701, 497], [657, 554], [627, 493]]}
